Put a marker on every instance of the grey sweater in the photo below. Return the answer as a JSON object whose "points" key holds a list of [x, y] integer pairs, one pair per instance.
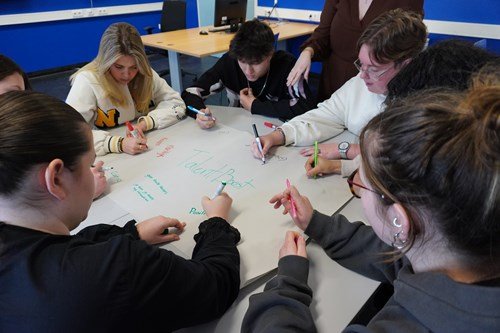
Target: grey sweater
{"points": [[422, 302]]}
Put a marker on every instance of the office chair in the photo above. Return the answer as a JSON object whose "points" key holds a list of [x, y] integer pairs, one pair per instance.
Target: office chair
{"points": [[173, 17]]}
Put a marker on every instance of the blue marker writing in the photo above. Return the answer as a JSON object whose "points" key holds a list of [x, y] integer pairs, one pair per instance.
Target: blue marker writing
{"points": [[199, 112]]}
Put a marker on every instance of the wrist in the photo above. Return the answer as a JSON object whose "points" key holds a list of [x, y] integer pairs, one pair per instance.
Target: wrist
{"points": [[279, 138], [310, 50]]}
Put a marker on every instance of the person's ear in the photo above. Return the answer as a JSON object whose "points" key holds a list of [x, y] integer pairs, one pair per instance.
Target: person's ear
{"points": [[53, 177], [399, 221], [406, 62]]}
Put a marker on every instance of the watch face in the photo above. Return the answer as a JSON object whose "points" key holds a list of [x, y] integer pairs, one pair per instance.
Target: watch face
{"points": [[343, 145]]}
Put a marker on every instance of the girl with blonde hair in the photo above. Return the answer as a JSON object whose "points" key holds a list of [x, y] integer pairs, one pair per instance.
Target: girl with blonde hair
{"points": [[119, 85]]}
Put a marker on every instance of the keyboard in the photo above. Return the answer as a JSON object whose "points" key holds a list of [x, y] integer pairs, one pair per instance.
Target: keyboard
{"points": [[219, 29]]}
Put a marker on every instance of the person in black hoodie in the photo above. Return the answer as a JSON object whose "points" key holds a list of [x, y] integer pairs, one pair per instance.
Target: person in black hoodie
{"points": [[254, 76], [104, 278]]}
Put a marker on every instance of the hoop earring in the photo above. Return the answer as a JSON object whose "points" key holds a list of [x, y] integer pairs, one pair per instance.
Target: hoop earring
{"points": [[397, 242], [395, 223]]}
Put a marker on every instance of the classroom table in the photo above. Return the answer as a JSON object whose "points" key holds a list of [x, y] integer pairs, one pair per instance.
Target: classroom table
{"points": [[190, 42], [338, 292]]}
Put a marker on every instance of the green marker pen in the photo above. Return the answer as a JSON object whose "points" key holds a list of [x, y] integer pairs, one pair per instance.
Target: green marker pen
{"points": [[219, 190]]}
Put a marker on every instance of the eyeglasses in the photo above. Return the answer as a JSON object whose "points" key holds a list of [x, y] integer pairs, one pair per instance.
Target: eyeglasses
{"points": [[355, 187], [370, 72]]}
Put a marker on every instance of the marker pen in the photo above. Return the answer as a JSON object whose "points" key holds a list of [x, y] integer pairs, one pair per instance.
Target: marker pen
{"points": [[199, 112], [270, 125], [315, 155], [292, 202], [259, 144], [219, 190], [104, 168], [133, 131]]}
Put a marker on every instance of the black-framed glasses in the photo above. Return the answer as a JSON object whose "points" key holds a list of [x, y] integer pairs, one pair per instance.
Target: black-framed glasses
{"points": [[372, 74], [355, 187]]}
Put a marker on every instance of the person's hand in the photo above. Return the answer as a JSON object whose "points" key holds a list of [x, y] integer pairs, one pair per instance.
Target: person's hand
{"points": [[133, 146], [294, 245], [141, 128], [267, 141], [303, 206], [331, 151], [205, 122], [324, 166], [218, 206], [246, 98], [327, 150], [100, 182], [153, 230], [302, 67]]}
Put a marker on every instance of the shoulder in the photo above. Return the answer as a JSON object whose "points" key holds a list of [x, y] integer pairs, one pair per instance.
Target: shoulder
{"points": [[283, 57], [87, 75]]}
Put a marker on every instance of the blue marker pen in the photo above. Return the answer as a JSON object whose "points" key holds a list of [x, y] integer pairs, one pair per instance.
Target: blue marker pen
{"points": [[199, 112]]}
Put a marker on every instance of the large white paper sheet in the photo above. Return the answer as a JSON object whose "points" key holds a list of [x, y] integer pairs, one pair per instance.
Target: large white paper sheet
{"points": [[184, 163]]}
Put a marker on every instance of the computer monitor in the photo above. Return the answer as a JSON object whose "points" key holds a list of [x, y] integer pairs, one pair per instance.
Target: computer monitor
{"points": [[230, 12]]}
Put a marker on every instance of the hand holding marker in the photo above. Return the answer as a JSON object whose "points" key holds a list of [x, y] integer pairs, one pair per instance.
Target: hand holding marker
{"points": [[219, 190], [259, 144], [133, 131], [199, 112]]}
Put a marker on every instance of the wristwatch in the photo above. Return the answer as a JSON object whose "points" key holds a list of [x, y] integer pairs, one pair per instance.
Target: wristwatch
{"points": [[343, 148]]}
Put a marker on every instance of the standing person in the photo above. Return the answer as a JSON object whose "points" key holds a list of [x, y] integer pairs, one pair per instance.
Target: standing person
{"points": [[13, 78], [430, 189], [254, 76], [119, 85], [390, 42], [334, 41], [105, 278]]}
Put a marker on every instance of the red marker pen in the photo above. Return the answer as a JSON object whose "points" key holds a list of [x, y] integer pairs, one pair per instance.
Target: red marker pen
{"points": [[270, 125], [134, 132]]}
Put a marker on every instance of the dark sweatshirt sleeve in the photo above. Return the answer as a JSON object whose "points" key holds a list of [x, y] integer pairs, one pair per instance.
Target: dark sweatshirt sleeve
{"points": [[354, 246], [210, 83], [283, 306], [103, 232], [172, 292]]}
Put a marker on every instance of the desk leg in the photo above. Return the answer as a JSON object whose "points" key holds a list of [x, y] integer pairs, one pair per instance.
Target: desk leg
{"points": [[175, 71]]}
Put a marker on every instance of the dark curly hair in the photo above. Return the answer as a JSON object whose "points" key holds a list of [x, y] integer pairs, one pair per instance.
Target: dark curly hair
{"points": [[253, 42], [448, 64]]}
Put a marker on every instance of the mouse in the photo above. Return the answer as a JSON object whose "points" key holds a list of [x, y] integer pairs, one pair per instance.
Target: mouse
{"points": [[203, 32]]}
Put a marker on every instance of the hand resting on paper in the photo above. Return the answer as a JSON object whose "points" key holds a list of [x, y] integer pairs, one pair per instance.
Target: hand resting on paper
{"points": [[218, 206], [302, 205], [152, 230]]}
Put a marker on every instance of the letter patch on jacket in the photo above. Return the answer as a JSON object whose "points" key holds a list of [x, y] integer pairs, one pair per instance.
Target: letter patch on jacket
{"points": [[107, 119]]}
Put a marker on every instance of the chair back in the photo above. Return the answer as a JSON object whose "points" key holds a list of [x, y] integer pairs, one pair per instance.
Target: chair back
{"points": [[173, 15]]}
